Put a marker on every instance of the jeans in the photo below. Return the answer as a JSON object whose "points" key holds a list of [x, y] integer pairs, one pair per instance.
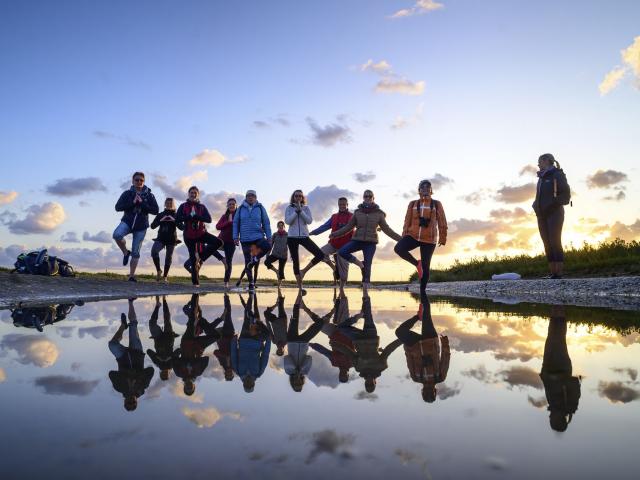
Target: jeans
{"points": [[122, 230], [368, 250], [306, 242], [264, 246], [550, 227], [406, 244]]}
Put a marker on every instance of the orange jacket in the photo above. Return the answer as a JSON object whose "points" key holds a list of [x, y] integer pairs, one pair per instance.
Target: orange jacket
{"points": [[437, 225], [434, 371]]}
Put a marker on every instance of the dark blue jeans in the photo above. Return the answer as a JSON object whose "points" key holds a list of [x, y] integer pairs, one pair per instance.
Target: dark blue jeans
{"points": [[550, 227], [264, 245], [368, 250]]}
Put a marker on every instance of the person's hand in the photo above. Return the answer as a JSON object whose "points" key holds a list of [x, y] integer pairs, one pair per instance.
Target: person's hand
{"points": [[137, 199], [237, 242], [193, 212], [167, 218]]}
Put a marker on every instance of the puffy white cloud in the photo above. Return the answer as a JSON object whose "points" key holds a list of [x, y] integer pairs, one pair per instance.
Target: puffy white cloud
{"points": [[329, 135], [402, 86], [380, 67], [419, 8], [100, 237], [66, 385], [207, 417], [611, 80], [364, 177], [625, 232], [40, 219], [178, 189], [606, 178], [516, 194], [631, 65], [324, 200], [7, 197], [31, 349], [217, 202], [617, 392], [70, 237], [214, 158], [70, 187]]}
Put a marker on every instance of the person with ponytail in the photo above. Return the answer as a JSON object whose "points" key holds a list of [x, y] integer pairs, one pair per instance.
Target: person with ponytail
{"points": [[200, 243], [552, 193]]}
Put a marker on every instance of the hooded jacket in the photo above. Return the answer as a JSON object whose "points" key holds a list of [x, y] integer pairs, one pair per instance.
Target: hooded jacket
{"points": [[136, 215], [367, 219], [421, 208], [251, 223], [298, 221], [552, 191]]}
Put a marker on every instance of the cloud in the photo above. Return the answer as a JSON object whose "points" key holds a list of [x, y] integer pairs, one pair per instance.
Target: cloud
{"points": [[100, 237], [40, 219], [445, 391], [630, 57], [207, 417], [331, 443], [98, 332], [480, 373], [617, 392], [631, 372], [214, 158], [260, 124], [606, 178], [537, 402], [419, 8], [438, 181], [3, 375], [517, 194], [124, 139], [625, 232], [364, 177], [217, 202], [382, 67], [31, 349], [517, 214], [118, 436], [528, 170], [362, 395], [66, 385], [178, 189], [618, 197], [521, 376], [279, 120], [70, 187], [495, 463], [324, 200], [475, 198], [276, 210], [402, 86], [7, 197], [70, 237], [401, 122], [329, 135]]}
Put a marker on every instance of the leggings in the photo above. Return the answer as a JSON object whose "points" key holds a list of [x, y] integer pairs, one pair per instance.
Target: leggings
{"points": [[264, 246], [306, 242], [550, 227], [407, 337], [281, 263], [406, 244], [292, 333], [155, 255], [205, 246], [368, 250], [229, 250]]}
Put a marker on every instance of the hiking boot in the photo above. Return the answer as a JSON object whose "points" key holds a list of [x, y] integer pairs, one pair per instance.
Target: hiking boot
{"points": [[125, 258], [133, 279]]}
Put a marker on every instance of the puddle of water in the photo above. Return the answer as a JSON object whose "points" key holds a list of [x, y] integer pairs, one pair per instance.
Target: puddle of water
{"points": [[363, 388]]}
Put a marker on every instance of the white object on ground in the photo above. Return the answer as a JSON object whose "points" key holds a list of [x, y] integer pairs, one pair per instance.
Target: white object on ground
{"points": [[506, 276]]}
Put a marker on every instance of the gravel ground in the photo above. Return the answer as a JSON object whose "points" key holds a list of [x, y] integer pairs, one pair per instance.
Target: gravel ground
{"points": [[616, 292]]}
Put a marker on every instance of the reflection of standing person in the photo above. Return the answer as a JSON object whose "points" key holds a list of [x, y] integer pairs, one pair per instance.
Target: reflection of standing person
{"points": [[163, 339], [552, 192], [226, 332], [131, 379], [427, 356], [424, 224], [225, 225], [278, 325], [250, 351], [136, 204], [560, 387]]}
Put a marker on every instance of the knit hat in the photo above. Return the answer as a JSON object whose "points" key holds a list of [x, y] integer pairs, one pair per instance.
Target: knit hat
{"points": [[422, 184], [251, 192]]}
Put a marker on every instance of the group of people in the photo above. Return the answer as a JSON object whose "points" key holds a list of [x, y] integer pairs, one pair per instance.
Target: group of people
{"points": [[248, 226]]}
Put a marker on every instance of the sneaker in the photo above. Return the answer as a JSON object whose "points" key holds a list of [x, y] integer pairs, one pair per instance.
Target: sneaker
{"points": [[158, 276], [165, 280], [555, 276], [133, 279], [419, 268], [125, 258]]}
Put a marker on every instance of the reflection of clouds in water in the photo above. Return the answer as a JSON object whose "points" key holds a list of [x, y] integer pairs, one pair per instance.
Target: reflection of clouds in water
{"points": [[328, 442], [214, 370], [275, 363], [3, 376], [631, 372], [66, 385], [537, 402], [407, 457], [495, 463], [263, 456], [96, 332], [178, 390], [444, 391], [31, 349], [363, 395], [113, 437], [520, 376], [65, 332], [322, 373], [617, 392], [480, 373], [207, 417]]}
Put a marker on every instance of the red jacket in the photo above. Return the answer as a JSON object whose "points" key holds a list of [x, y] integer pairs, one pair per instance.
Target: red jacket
{"points": [[339, 220], [226, 228]]}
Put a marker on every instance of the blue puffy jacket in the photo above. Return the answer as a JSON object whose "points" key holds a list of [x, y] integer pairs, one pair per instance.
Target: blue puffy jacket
{"points": [[136, 216], [251, 223], [249, 356]]}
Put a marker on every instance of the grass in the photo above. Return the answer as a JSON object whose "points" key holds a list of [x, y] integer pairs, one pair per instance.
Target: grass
{"points": [[613, 258]]}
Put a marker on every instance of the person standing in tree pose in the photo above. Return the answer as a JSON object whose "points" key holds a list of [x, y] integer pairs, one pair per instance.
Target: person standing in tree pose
{"points": [[200, 243], [366, 220], [552, 193], [335, 222], [225, 225], [424, 224], [252, 229], [167, 237], [136, 203], [298, 216]]}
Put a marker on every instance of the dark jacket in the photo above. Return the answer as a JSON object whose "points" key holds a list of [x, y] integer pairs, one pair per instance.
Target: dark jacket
{"points": [[131, 378], [136, 215], [226, 227], [194, 224], [552, 191], [167, 233]]}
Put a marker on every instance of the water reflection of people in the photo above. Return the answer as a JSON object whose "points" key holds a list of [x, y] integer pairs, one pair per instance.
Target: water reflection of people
{"points": [[277, 324], [561, 388], [427, 356], [163, 339], [368, 359], [226, 334], [297, 362], [131, 379], [189, 361], [38, 317], [336, 355], [250, 351]]}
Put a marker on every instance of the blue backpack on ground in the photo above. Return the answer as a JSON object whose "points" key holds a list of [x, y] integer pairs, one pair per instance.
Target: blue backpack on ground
{"points": [[39, 262]]}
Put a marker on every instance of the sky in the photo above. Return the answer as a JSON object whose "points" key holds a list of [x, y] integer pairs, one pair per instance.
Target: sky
{"points": [[331, 97]]}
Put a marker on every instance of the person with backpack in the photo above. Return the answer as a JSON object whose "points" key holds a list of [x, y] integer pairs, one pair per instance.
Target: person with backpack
{"points": [[163, 339], [252, 229], [424, 225], [167, 237], [200, 243], [552, 193], [225, 225], [279, 244], [136, 203], [298, 216], [335, 222], [367, 219]]}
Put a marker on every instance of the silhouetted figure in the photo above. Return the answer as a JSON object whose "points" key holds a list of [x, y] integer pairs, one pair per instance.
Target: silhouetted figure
{"points": [[226, 334], [560, 387], [250, 351], [39, 317], [277, 325], [427, 356], [163, 339], [131, 379], [368, 358], [189, 361]]}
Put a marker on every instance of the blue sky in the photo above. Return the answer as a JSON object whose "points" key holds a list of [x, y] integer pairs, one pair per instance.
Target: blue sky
{"points": [[101, 90]]}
